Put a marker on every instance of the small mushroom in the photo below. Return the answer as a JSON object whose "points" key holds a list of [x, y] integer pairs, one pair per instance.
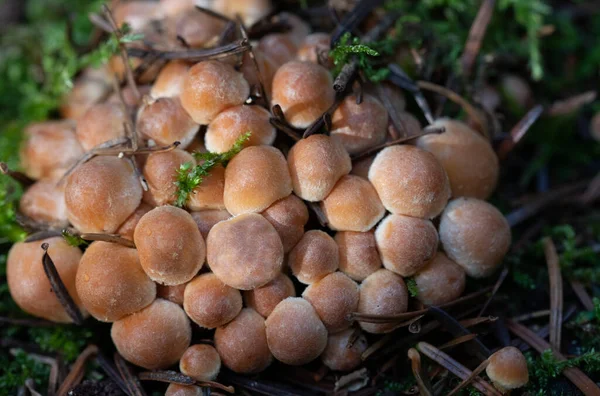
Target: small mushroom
{"points": [[359, 257], [201, 362], [103, 122], [170, 81], [127, 229], [344, 349], [382, 293], [92, 85], [251, 11], [289, 216], [183, 390], [209, 195], [165, 121], [265, 298], [206, 220], [507, 368], [160, 172], [440, 281], [279, 47], [172, 293], [197, 29], [45, 201], [313, 46], [210, 303], [314, 257]]}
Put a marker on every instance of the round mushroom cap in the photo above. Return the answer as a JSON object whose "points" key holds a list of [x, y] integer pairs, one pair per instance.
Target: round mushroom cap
{"points": [[251, 11], [289, 216], [475, 235], [382, 293], [101, 194], [170, 81], [361, 167], [359, 257], [211, 87], [183, 390], [314, 257], [169, 8], [409, 125], [201, 362], [160, 172], [210, 303], [388, 92], [242, 343], [255, 179], [410, 181], [279, 47], [197, 29], [127, 229], [45, 201], [507, 369], [265, 298], [209, 195], [89, 88], [315, 48], [172, 293], [170, 246], [333, 297], [103, 122], [155, 337], [245, 252], [304, 90], [136, 14], [295, 333], [440, 281], [27, 282], [206, 220], [468, 158], [316, 164], [165, 122], [352, 205], [344, 349], [299, 28]]}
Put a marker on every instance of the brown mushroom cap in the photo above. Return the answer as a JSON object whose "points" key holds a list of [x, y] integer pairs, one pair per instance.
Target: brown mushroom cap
{"points": [[440, 281], [410, 181], [314, 257], [245, 252], [170, 246], [344, 350], [136, 14], [251, 11], [279, 47], [155, 337], [170, 81], [211, 87], [312, 46], [361, 167], [165, 121], [201, 362], [295, 333], [386, 91], [28, 285], [475, 235], [209, 194], [255, 179], [172, 293], [382, 293], [160, 171], [409, 125], [265, 298], [333, 297], [359, 257], [242, 343], [101, 123], [299, 28], [468, 158], [206, 220], [183, 390], [316, 164], [210, 303], [266, 70], [127, 229], [111, 283], [169, 8], [353, 205], [304, 90], [101, 194], [45, 201], [289, 216], [197, 29], [507, 369], [89, 88]]}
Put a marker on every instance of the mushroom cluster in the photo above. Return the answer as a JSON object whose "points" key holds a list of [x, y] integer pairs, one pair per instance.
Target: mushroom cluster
{"points": [[245, 256]]}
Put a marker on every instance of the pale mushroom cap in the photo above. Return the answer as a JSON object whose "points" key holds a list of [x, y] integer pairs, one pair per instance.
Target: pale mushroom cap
{"points": [[210, 303], [155, 337], [250, 10], [304, 90], [136, 14], [440, 281], [289, 216], [160, 171], [312, 46], [170, 246], [507, 369], [111, 282], [279, 47], [206, 220], [101, 123], [127, 229], [170, 81], [361, 167], [209, 195], [382, 293], [316, 164], [27, 282], [89, 88], [175, 7], [255, 179], [475, 235], [295, 333], [314, 257], [242, 343], [201, 362], [468, 158], [172, 293], [198, 29], [359, 257], [245, 252], [183, 390], [353, 205], [340, 355], [101, 194], [409, 125], [265, 298], [410, 181], [165, 122], [45, 201]]}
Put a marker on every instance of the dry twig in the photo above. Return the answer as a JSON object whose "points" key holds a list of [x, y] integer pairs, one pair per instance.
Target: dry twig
{"points": [[556, 293]]}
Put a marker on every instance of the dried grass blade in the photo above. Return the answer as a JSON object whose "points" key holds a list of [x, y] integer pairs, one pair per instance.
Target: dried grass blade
{"points": [[458, 341], [171, 377], [131, 382], [420, 376], [519, 130], [583, 295], [556, 293], [476, 35], [470, 378], [77, 370]]}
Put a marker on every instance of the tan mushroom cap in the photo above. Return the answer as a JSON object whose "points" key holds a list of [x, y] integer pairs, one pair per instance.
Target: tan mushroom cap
{"points": [[242, 343], [160, 171], [45, 201], [170, 81], [206, 220], [299, 28], [440, 281], [197, 29], [316, 164], [209, 195], [209, 302], [295, 333], [103, 122], [382, 293], [136, 14], [361, 167], [183, 390], [245, 252], [101, 194], [165, 121], [279, 47], [255, 179], [27, 282], [409, 125], [359, 257], [312, 46], [127, 229], [475, 235], [265, 298], [249, 10], [344, 350], [314, 257], [168, 8], [304, 90], [172, 293], [468, 158], [201, 362], [353, 205], [507, 369], [410, 181], [155, 337], [89, 88], [289, 216], [211, 87], [170, 246], [386, 91]]}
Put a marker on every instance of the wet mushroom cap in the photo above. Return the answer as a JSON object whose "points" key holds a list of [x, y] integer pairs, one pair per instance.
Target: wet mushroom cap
{"points": [[265, 298], [382, 293], [160, 172], [103, 122], [440, 281], [210, 303], [289, 216], [206, 220], [359, 257], [314, 257], [344, 349], [44, 201], [165, 122], [507, 369], [201, 362], [209, 195]]}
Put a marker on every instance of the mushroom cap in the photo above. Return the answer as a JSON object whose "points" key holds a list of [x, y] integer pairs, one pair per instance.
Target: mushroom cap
{"points": [[344, 349], [353, 205], [155, 337], [468, 158], [440, 281], [45, 201], [333, 297], [209, 194], [314, 44], [382, 293], [170, 81], [475, 235], [111, 282], [406, 244], [266, 70], [314, 257], [255, 179], [361, 167], [165, 121], [299, 28], [101, 194], [304, 90], [289, 216], [242, 343], [211, 87], [169, 8], [170, 246], [101, 123], [386, 91], [172, 293], [507, 369], [197, 29], [160, 171], [89, 88], [245, 252], [359, 257], [127, 229], [206, 220], [279, 47], [251, 11], [201, 362], [27, 282], [295, 333], [409, 124], [517, 90], [183, 390], [209, 302], [410, 181], [265, 298], [316, 164], [137, 14]]}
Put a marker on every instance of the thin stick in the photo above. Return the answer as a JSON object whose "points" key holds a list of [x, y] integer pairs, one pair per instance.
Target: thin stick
{"points": [[133, 385], [477, 321], [111, 371], [458, 341], [41, 235], [556, 292], [171, 377], [354, 18], [470, 378], [322, 120], [531, 315], [318, 211], [476, 35], [112, 238], [19, 177], [519, 131], [197, 55], [261, 85], [420, 376], [571, 104], [77, 371], [399, 78], [497, 286], [285, 128], [582, 294], [26, 322]]}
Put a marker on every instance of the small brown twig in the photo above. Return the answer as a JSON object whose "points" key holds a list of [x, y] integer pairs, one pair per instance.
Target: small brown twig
{"points": [[399, 78], [582, 294], [131, 381], [278, 121], [519, 131], [41, 235], [470, 378], [77, 370], [111, 371], [196, 55], [261, 86], [556, 292], [112, 238], [476, 35], [497, 286], [26, 322], [457, 341], [19, 177], [572, 104], [322, 121], [171, 377], [531, 315]]}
